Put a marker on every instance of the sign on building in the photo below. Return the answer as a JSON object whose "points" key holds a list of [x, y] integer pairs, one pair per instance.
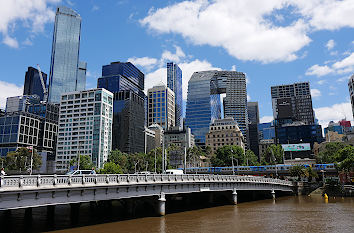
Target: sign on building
{"points": [[296, 147]]}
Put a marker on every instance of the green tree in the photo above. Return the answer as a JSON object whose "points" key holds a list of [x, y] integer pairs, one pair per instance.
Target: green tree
{"points": [[273, 155], [85, 162], [20, 160], [120, 158], [328, 155], [110, 168], [345, 158], [251, 158], [225, 154], [310, 173], [297, 171]]}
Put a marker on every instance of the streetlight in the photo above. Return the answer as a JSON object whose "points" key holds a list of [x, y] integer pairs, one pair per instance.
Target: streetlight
{"points": [[135, 166], [232, 162]]}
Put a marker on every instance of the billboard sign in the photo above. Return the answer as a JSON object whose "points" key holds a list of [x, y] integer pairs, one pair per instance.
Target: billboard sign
{"points": [[296, 147]]}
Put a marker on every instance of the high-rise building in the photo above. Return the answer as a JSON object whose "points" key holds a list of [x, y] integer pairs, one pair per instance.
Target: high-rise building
{"points": [[182, 140], [266, 131], [292, 102], [33, 85], [161, 106], [204, 104], [253, 121], [351, 91], [64, 65], [174, 82], [224, 132], [20, 103], [85, 127], [126, 82], [81, 76]]}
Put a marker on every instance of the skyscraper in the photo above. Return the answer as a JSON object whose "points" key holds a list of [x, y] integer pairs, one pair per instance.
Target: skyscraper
{"points": [[161, 107], [64, 63], [85, 127], [351, 91], [81, 76], [253, 117], [204, 104], [126, 82], [174, 82], [33, 85], [292, 102]]}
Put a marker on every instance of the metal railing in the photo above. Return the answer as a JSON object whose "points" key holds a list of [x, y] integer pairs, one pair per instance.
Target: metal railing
{"points": [[11, 183]]}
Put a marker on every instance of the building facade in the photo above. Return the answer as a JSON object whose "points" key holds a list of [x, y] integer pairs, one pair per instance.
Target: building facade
{"points": [[159, 134], [266, 131], [204, 104], [292, 103], [253, 121], [81, 76], [33, 85], [351, 91], [178, 141], [64, 63], [20, 103], [85, 127], [161, 106], [224, 132], [174, 82], [263, 145], [128, 122]]}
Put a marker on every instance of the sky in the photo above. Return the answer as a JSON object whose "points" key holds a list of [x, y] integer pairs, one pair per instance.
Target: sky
{"points": [[273, 42]]}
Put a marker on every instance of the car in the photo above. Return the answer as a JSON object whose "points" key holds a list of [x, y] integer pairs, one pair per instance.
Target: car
{"points": [[79, 172], [143, 173], [174, 172]]}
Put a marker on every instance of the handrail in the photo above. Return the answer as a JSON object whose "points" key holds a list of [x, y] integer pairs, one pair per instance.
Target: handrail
{"points": [[59, 181]]}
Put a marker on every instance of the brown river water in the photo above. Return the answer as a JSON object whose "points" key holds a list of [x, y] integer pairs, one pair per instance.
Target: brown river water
{"points": [[285, 214]]}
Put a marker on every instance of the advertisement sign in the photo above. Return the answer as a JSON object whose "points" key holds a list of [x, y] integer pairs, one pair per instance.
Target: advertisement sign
{"points": [[296, 147]]}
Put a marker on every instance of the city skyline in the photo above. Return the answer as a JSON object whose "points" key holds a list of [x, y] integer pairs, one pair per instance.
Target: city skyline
{"points": [[324, 56]]}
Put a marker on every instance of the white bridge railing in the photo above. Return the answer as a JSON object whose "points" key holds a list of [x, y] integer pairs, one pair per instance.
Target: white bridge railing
{"points": [[13, 183]]}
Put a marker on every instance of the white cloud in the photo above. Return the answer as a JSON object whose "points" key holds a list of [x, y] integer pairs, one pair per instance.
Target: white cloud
{"points": [[343, 66], [241, 27], [7, 90], [11, 42], [343, 79], [319, 70], [245, 28], [321, 82], [266, 119], [334, 113], [95, 8], [330, 44], [147, 62], [315, 93], [33, 14], [167, 56]]}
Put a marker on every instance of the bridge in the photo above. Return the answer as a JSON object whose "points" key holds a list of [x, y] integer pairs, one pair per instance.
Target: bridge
{"points": [[49, 190]]}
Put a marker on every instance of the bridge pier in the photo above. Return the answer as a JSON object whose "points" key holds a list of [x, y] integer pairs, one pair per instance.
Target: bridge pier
{"points": [[273, 194], [28, 213], [161, 208], [234, 197], [50, 211], [129, 207]]}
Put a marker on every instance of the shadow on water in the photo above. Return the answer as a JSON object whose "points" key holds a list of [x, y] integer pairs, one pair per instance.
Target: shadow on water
{"points": [[76, 215]]}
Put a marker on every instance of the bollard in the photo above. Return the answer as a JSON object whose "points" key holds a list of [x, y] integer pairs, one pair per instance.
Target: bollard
{"points": [[234, 197], [273, 194], [162, 205]]}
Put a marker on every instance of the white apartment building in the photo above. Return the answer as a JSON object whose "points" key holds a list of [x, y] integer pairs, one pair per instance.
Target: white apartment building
{"points": [[85, 127]]}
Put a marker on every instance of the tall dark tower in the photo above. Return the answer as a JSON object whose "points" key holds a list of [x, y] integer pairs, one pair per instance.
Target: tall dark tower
{"points": [[33, 84]]}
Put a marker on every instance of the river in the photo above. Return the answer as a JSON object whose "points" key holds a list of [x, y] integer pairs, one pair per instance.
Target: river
{"points": [[286, 214]]}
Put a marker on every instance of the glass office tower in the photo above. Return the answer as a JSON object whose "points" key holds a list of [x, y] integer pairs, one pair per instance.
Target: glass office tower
{"points": [[33, 85], [81, 76], [65, 54], [174, 82], [203, 104], [126, 82]]}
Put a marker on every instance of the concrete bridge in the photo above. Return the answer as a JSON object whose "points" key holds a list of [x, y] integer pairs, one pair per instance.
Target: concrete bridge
{"points": [[33, 191]]}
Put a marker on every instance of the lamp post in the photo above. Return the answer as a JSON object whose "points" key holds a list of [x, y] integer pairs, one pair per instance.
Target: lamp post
{"points": [[135, 166], [232, 162]]}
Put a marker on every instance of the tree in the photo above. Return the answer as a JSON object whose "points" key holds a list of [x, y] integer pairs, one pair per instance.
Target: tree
{"points": [[120, 158], [20, 160], [85, 162], [225, 154], [273, 155], [328, 155], [110, 168], [345, 158], [310, 173], [251, 158], [297, 170]]}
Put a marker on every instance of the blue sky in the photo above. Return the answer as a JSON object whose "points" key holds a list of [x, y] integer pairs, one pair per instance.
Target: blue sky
{"points": [[273, 42]]}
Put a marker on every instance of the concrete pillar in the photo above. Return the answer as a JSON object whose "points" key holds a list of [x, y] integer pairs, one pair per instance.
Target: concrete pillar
{"points": [[273, 194], [234, 197], [161, 208]]}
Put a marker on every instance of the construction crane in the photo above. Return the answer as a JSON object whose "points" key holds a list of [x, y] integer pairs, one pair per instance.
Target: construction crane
{"points": [[45, 92]]}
